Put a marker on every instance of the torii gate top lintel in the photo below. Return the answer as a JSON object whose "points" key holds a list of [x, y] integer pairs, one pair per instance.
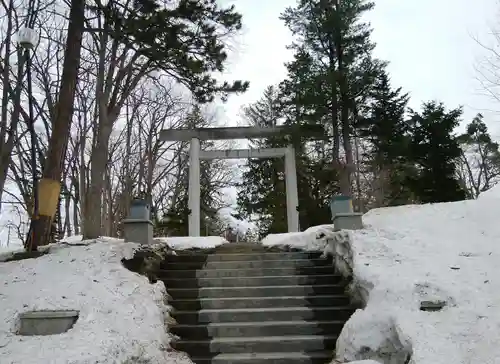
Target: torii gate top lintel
{"points": [[246, 132]]}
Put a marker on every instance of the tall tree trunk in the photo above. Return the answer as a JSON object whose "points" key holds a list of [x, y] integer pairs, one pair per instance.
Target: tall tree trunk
{"points": [[76, 202], [128, 186], [347, 169], [59, 234], [381, 185], [82, 182], [361, 207], [99, 157], [109, 197], [67, 214], [50, 184], [6, 147]]}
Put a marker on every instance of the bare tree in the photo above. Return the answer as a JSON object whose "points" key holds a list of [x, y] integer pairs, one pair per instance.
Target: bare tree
{"points": [[479, 164], [120, 107], [50, 184], [488, 67], [11, 91], [119, 71]]}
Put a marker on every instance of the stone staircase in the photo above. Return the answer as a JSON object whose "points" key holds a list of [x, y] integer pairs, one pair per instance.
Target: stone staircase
{"points": [[245, 305]]}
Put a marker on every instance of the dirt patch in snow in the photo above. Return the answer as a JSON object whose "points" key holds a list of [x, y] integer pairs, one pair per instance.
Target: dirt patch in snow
{"points": [[147, 260]]}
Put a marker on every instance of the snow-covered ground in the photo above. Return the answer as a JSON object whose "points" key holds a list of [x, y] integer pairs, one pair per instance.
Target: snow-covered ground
{"points": [[405, 255], [122, 316]]}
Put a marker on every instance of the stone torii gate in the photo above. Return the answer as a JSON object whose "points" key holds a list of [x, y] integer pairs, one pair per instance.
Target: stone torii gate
{"points": [[194, 136]]}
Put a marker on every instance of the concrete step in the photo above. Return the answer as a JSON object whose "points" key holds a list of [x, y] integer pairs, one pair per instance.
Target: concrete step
{"points": [[263, 314], [238, 257], [249, 264], [251, 281], [268, 328], [252, 272], [263, 291], [259, 302], [259, 344], [317, 357]]}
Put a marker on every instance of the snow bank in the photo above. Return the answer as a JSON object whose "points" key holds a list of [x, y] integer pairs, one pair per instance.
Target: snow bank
{"points": [[187, 242], [305, 240], [407, 255], [122, 316]]}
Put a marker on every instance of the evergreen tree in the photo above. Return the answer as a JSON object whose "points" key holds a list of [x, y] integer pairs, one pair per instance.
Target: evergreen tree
{"points": [[263, 187], [384, 125], [330, 73], [186, 40], [317, 180], [335, 45], [385, 128], [435, 149]]}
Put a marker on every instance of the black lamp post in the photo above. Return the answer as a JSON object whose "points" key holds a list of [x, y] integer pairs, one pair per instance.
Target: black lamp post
{"points": [[28, 38]]}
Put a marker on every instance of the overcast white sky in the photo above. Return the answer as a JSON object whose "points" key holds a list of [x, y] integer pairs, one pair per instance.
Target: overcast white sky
{"points": [[429, 44]]}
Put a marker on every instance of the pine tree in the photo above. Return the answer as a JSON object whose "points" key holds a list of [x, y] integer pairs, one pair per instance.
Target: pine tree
{"points": [[329, 74], [335, 45], [263, 188], [185, 40], [385, 128], [317, 181], [435, 150]]}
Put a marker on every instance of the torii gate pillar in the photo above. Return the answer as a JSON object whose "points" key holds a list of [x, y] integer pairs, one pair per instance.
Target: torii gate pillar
{"points": [[292, 195], [194, 195]]}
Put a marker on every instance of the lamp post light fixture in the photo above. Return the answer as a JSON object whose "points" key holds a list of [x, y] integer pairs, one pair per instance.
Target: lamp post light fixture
{"points": [[28, 39], [207, 220]]}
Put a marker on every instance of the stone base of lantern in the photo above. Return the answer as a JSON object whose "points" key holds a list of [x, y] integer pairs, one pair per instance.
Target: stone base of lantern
{"points": [[138, 231], [348, 221]]}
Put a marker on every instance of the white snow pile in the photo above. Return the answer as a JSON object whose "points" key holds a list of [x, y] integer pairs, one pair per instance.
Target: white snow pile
{"points": [[187, 242], [306, 240], [444, 254], [122, 316]]}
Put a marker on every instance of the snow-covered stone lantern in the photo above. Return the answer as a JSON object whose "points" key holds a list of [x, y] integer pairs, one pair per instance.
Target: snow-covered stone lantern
{"points": [[27, 38]]}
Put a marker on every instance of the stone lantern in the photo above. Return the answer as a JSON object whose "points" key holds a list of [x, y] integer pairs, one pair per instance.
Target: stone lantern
{"points": [[138, 227], [343, 215]]}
